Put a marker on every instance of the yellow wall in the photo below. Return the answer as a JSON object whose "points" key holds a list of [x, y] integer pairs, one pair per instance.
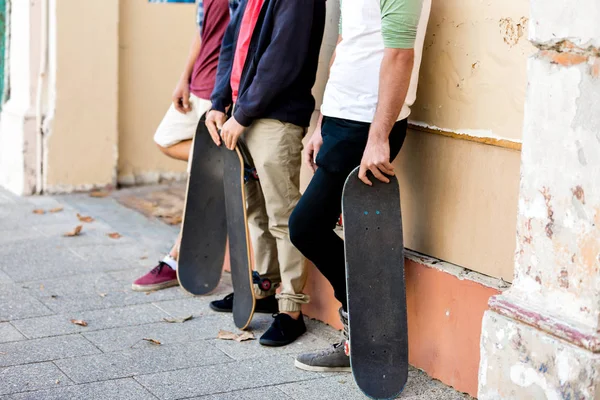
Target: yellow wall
{"points": [[118, 61], [81, 144], [459, 198], [153, 44]]}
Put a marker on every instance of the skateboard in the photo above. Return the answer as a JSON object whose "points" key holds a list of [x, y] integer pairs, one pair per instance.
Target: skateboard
{"points": [[374, 250], [235, 174], [204, 231]]}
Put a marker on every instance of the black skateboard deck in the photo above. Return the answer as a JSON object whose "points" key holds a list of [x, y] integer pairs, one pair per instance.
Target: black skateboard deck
{"points": [[376, 288], [204, 231], [239, 239]]}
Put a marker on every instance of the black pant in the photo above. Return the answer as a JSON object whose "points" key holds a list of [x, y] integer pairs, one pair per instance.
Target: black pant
{"points": [[313, 221]]}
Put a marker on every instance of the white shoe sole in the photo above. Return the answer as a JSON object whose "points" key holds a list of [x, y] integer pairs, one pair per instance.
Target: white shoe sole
{"points": [[151, 288], [312, 368]]}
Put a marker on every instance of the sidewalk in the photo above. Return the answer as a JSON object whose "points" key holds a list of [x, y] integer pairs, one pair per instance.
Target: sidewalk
{"points": [[47, 280]]}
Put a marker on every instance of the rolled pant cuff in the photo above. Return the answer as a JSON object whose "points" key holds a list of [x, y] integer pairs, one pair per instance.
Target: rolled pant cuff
{"points": [[292, 303]]}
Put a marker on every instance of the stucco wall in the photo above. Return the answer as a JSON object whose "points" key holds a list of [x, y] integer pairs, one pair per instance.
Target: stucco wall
{"points": [[81, 138], [154, 40]]}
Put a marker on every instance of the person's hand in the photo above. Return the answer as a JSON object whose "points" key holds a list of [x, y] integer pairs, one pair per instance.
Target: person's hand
{"points": [[181, 97], [231, 132], [312, 148], [214, 122], [376, 158]]}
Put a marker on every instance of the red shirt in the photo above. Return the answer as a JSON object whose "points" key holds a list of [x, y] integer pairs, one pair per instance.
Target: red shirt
{"points": [[216, 19], [251, 14]]}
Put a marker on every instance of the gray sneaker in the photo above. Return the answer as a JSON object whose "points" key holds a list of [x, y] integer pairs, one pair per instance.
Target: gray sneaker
{"points": [[332, 359]]}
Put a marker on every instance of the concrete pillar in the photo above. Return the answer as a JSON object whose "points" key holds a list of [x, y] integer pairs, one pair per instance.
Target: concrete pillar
{"points": [[540, 338], [18, 159]]}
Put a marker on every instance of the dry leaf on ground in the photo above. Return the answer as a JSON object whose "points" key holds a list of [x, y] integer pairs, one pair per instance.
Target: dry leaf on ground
{"points": [[113, 235], [153, 341], [178, 320], [74, 232], [57, 209], [39, 211], [245, 336], [85, 218], [173, 220], [143, 257], [99, 193], [79, 322], [150, 292], [226, 335]]}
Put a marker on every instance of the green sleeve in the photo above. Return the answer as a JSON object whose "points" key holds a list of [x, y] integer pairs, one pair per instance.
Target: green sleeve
{"points": [[399, 22]]}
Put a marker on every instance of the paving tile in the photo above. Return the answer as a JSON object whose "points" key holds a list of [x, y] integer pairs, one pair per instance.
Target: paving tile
{"points": [[252, 349], [47, 349], [116, 255], [40, 259], [149, 358], [21, 378], [338, 387], [268, 393], [97, 319], [16, 303], [4, 278], [92, 292], [9, 334], [198, 328], [224, 377], [122, 389]]}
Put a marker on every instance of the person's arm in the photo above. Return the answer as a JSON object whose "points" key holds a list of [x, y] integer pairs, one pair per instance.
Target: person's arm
{"points": [[181, 94], [316, 140], [221, 97], [290, 41], [399, 20]]}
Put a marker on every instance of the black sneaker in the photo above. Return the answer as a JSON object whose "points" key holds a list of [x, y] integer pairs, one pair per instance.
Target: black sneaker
{"points": [[284, 330], [268, 305]]}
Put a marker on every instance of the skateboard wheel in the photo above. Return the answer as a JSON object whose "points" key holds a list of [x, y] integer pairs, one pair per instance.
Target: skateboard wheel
{"points": [[347, 348], [265, 285]]}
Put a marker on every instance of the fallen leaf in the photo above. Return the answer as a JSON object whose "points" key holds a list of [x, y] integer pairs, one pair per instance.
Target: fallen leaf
{"points": [[99, 193], [84, 218], [173, 220], [53, 296], [113, 235], [79, 322], [245, 336], [38, 211], [57, 209], [143, 257], [178, 320], [226, 335], [153, 341], [74, 232], [150, 292]]}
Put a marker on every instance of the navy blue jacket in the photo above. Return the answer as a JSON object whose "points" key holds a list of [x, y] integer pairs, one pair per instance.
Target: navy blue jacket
{"points": [[281, 66]]}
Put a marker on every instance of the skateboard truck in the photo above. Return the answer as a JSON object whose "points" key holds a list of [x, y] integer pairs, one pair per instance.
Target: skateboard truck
{"points": [[263, 283]]}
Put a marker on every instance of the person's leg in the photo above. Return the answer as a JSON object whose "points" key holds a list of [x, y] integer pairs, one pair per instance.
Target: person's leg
{"points": [[312, 223], [265, 254], [312, 228], [174, 137], [275, 148]]}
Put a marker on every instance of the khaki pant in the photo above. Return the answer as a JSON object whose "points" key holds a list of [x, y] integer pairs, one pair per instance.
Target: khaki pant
{"points": [[275, 148]]}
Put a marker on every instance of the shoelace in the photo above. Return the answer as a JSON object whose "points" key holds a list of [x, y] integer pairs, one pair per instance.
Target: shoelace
{"points": [[158, 268]]}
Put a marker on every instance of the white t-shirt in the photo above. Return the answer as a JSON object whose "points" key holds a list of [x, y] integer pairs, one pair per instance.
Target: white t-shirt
{"points": [[367, 28]]}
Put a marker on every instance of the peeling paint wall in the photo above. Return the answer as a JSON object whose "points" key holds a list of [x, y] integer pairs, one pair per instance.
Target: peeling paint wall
{"points": [[541, 338]]}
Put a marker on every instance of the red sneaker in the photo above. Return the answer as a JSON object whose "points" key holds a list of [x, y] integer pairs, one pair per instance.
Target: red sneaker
{"points": [[161, 277]]}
